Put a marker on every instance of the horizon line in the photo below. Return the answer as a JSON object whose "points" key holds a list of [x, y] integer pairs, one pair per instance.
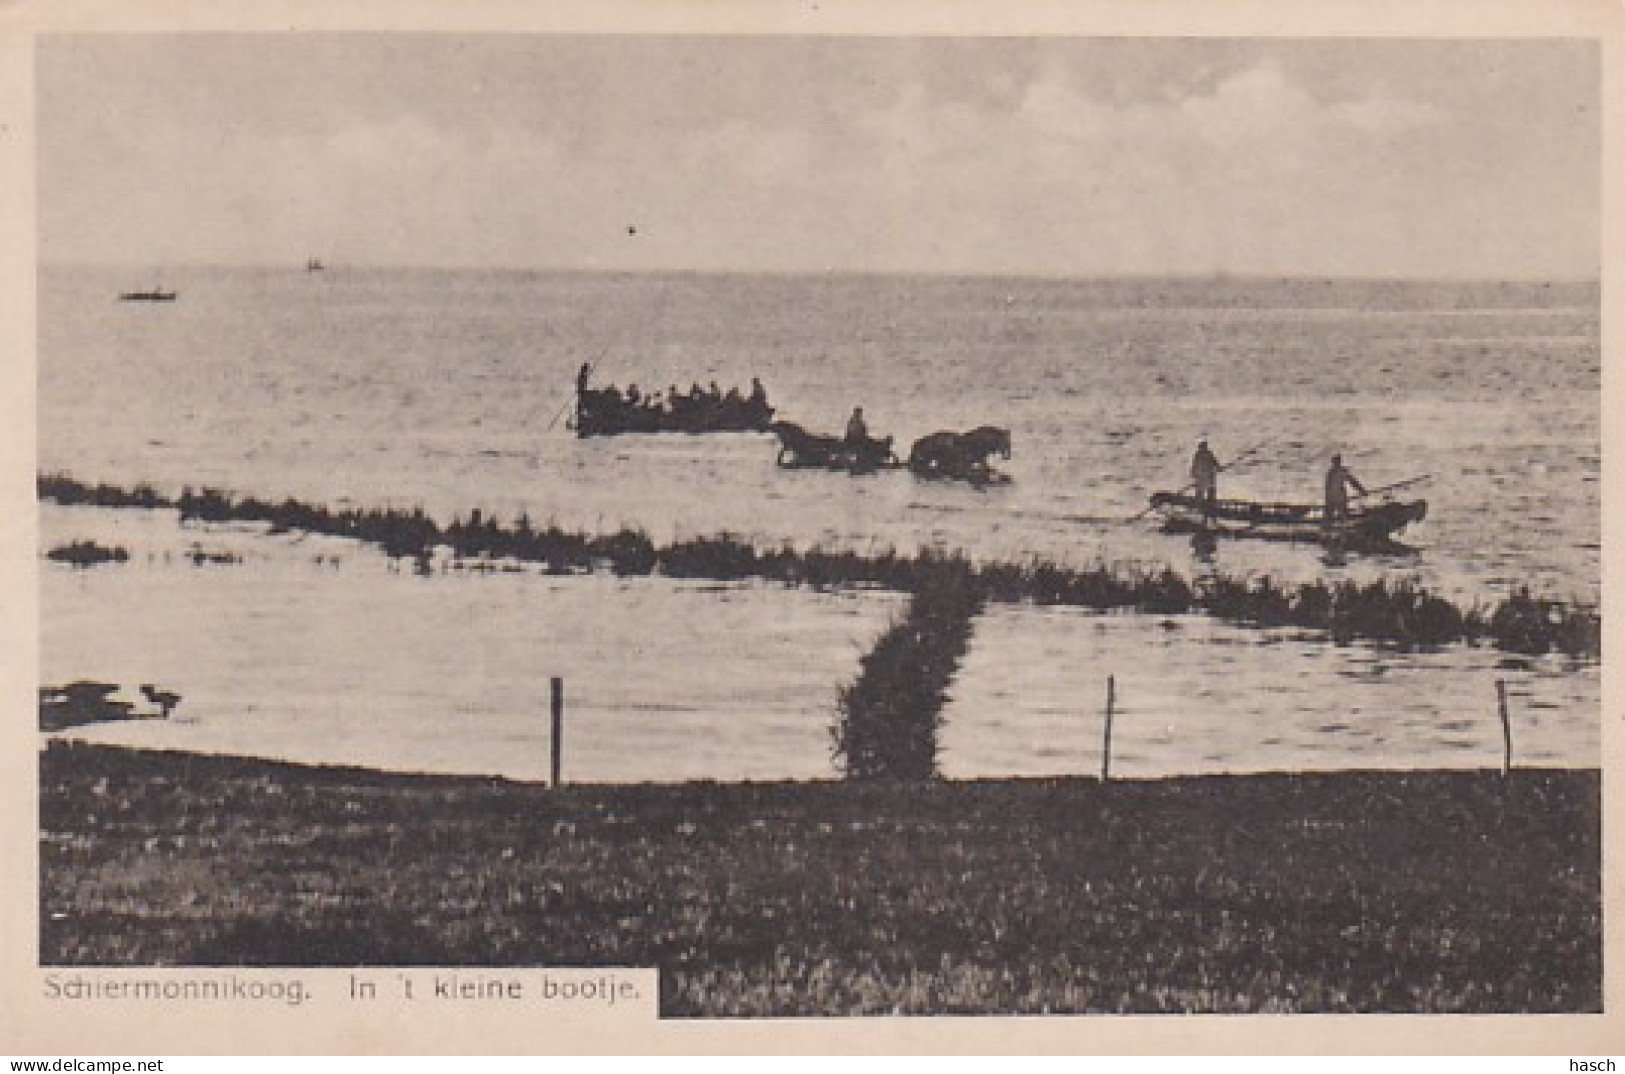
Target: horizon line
{"points": [[1172, 274]]}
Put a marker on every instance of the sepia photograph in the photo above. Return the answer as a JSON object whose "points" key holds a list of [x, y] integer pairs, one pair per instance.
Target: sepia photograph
{"points": [[848, 526]]}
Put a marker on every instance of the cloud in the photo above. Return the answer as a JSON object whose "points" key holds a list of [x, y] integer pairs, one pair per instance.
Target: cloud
{"points": [[1253, 173], [1257, 168], [1056, 124]]}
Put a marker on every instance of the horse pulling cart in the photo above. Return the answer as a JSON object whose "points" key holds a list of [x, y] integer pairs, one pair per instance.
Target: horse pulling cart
{"points": [[943, 455]]}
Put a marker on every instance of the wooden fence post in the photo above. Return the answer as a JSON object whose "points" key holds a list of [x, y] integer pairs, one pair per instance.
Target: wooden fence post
{"points": [[1506, 725], [555, 755], [1106, 749]]}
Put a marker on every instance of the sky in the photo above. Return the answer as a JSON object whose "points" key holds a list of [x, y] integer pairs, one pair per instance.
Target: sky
{"points": [[1036, 156]]}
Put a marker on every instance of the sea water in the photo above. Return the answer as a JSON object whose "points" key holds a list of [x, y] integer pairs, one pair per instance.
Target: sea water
{"points": [[451, 390]]}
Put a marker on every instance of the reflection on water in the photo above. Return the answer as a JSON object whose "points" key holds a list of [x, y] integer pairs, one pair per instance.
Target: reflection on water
{"points": [[1194, 695], [390, 388], [438, 388], [314, 649]]}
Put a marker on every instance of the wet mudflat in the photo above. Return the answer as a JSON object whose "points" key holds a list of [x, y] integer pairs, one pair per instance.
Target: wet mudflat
{"points": [[1421, 891]]}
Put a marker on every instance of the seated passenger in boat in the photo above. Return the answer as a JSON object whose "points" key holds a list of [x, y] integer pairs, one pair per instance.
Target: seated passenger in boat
{"points": [[857, 430]]}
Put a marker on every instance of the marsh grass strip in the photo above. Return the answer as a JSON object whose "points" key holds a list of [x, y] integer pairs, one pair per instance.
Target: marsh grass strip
{"points": [[1399, 612], [889, 718]]}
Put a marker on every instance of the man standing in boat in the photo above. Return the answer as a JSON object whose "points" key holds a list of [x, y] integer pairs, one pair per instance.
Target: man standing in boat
{"points": [[1205, 477], [582, 376], [857, 430], [1338, 480]]}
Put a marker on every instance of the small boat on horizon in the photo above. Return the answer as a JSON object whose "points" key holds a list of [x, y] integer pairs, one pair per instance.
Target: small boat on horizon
{"points": [[155, 295], [314, 265], [1372, 526]]}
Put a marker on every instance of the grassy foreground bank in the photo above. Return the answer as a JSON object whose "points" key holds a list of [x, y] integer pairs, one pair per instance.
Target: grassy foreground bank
{"points": [[1427, 891]]}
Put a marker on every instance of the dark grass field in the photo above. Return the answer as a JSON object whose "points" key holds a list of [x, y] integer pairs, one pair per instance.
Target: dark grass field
{"points": [[1380, 892]]}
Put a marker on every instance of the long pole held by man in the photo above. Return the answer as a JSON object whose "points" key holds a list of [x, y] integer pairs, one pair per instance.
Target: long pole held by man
{"points": [[1205, 471], [582, 375]]}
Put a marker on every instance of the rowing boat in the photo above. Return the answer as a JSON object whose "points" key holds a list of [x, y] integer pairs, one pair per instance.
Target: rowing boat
{"points": [[1372, 525]]}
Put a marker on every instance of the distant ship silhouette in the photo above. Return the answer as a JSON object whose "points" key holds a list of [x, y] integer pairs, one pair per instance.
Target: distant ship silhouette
{"points": [[154, 295]]}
